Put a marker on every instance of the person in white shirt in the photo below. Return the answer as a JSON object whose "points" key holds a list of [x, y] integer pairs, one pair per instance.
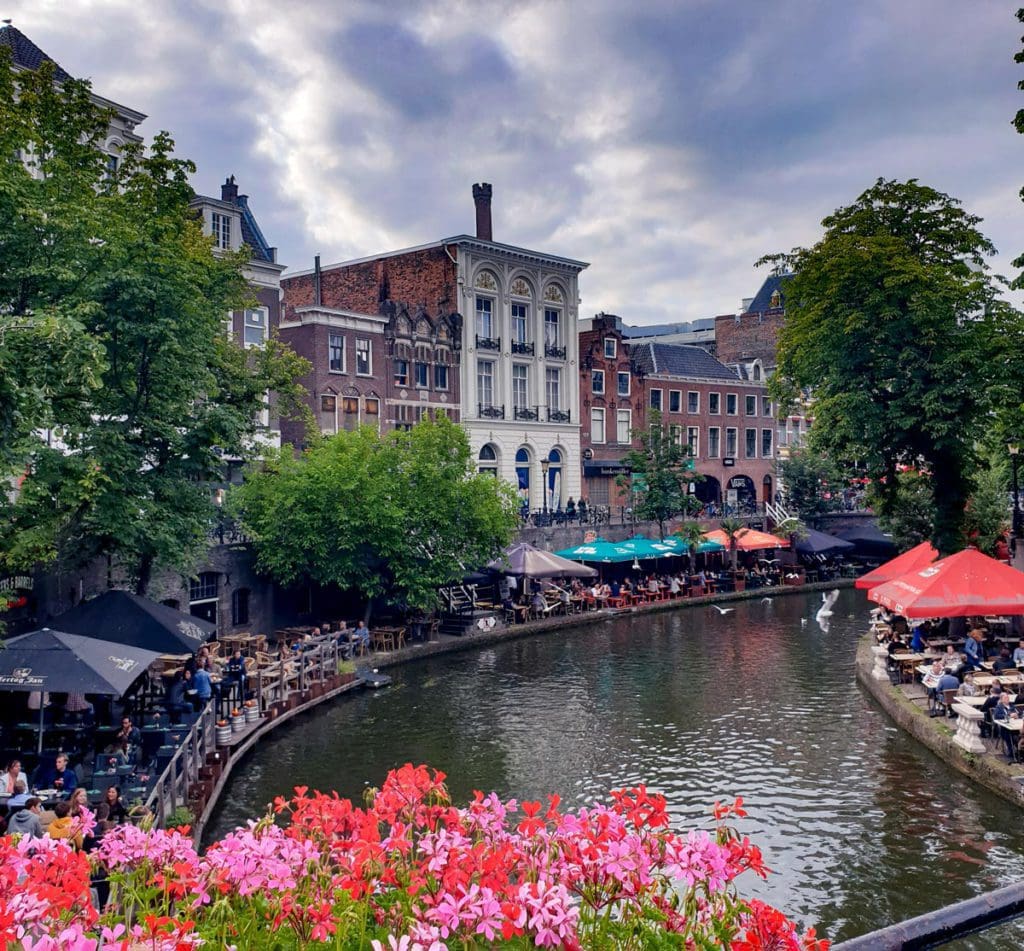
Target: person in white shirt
{"points": [[1018, 655]]}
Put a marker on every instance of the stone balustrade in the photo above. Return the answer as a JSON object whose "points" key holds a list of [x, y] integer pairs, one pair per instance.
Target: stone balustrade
{"points": [[968, 728]]}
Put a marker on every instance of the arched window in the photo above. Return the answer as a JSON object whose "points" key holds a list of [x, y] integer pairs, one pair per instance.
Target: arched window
{"points": [[757, 370], [554, 486], [488, 461], [523, 475]]}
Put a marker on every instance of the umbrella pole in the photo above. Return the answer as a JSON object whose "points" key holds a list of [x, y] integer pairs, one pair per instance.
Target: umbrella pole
{"points": [[42, 711]]}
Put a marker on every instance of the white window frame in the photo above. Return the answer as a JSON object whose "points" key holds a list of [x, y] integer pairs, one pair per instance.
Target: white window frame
{"points": [[369, 357], [263, 325], [552, 339], [661, 397], [696, 402], [611, 353], [523, 377], [732, 442], [481, 376], [221, 226], [597, 430], [330, 347], [594, 376], [525, 322], [735, 398], [618, 382], [771, 443], [715, 444], [749, 399], [442, 369], [619, 415], [766, 406], [714, 400], [553, 387], [425, 385], [747, 454], [677, 396], [693, 441], [481, 313], [401, 379]]}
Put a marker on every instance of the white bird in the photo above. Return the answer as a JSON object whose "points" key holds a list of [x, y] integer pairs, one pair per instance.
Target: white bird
{"points": [[803, 622], [827, 600], [766, 600], [721, 610]]}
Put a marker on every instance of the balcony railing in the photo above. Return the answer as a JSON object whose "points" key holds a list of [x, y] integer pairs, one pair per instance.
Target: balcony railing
{"points": [[522, 348], [490, 411], [555, 353], [488, 343], [526, 412], [559, 415]]}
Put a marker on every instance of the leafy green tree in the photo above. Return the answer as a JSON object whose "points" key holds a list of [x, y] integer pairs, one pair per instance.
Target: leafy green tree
{"points": [[894, 322], [910, 514], [808, 477], [661, 473], [397, 515], [140, 392], [988, 512]]}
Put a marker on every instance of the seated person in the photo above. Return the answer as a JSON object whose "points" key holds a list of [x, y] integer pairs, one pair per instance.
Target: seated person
{"points": [[204, 687], [235, 671], [673, 585], [127, 741], [652, 585], [11, 775], [117, 812], [1003, 662], [175, 700], [58, 776], [1004, 710], [62, 826], [563, 597], [615, 589], [946, 682], [361, 635], [1018, 655], [20, 796], [537, 603], [994, 693], [25, 821], [968, 688]]}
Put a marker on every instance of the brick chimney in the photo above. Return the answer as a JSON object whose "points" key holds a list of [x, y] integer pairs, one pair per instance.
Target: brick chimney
{"points": [[229, 190], [482, 200]]}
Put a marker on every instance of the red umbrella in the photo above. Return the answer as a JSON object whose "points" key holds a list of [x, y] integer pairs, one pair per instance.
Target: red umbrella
{"points": [[920, 556], [965, 583]]}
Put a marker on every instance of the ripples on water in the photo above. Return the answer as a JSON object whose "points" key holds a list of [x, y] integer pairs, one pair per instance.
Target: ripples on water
{"points": [[861, 825]]}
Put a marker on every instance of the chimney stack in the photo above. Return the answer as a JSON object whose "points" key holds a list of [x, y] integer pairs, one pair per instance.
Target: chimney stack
{"points": [[229, 190], [318, 298], [482, 200]]}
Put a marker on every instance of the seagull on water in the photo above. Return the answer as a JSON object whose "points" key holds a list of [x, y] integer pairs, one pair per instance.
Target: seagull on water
{"points": [[766, 600], [721, 610]]}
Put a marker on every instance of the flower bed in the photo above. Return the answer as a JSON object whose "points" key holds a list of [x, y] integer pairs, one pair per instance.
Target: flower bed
{"points": [[410, 871]]}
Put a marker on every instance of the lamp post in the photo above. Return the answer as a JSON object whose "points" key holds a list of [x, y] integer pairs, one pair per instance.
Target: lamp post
{"points": [[1014, 449], [545, 464]]}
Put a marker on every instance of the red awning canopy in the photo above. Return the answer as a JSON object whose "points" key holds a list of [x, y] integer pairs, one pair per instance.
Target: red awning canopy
{"points": [[920, 556], [748, 540], [965, 583]]}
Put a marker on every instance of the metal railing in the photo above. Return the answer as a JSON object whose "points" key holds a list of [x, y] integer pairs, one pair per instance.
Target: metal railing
{"points": [[490, 411], [488, 343], [522, 348], [559, 415], [554, 352], [526, 412], [271, 684]]}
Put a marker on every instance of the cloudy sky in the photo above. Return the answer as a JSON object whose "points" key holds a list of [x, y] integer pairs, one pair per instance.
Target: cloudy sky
{"points": [[670, 144]]}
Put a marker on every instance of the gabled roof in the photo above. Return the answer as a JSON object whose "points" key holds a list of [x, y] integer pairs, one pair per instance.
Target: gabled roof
{"points": [[680, 360], [252, 235], [763, 298], [27, 55], [657, 330]]}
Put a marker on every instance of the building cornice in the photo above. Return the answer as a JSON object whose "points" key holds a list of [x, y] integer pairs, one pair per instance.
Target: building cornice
{"points": [[311, 314]]}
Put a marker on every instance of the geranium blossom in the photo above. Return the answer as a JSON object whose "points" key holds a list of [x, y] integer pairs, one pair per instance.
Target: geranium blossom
{"points": [[409, 872]]}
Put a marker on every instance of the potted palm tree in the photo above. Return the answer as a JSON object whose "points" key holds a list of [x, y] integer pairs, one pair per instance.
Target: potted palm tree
{"points": [[734, 530], [692, 533]]}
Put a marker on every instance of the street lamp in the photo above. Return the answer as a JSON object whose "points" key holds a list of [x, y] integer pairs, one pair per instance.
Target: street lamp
{"points": [[1014, 449], [545, 464]]}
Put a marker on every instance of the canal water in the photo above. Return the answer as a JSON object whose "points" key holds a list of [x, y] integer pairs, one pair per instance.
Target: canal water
{"points": [[861, 825]]}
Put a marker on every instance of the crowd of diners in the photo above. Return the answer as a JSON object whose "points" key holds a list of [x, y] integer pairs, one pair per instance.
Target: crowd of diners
{"points": [[958, 658]]}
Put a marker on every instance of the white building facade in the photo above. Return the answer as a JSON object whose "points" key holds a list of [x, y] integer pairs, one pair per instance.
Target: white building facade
{"points": [[520, 367]]}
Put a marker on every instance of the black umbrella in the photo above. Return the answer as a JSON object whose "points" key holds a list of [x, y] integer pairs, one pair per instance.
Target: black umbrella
{"points": [[48, 660], [869, 540], [129, 619], [818, 543]]}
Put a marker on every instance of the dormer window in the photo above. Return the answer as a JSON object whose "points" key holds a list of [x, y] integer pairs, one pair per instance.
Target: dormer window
{"points": [[221, 231], [776, 299]]}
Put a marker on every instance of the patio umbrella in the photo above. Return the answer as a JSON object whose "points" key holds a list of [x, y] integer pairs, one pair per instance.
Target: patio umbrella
{"points": [[965, 583], [750, 540], [870, 541], [526, 561], [680, 547], [126, 618], [920, 556], [818, 543], [59, 662], [599, 550]]}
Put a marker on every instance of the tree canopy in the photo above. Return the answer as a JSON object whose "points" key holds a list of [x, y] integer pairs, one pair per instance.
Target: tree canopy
{"points": [[661, 473], [812, 481], [395, 515], [895, 323], [120, 394]]}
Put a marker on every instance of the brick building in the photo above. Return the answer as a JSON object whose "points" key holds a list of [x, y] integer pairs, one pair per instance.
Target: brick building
{"points": [[749, 341], [613, 401], [727, 421], [482, 330]]}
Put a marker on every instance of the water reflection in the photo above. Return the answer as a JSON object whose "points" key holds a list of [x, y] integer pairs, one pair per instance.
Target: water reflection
{"points": [[861, 825]]}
